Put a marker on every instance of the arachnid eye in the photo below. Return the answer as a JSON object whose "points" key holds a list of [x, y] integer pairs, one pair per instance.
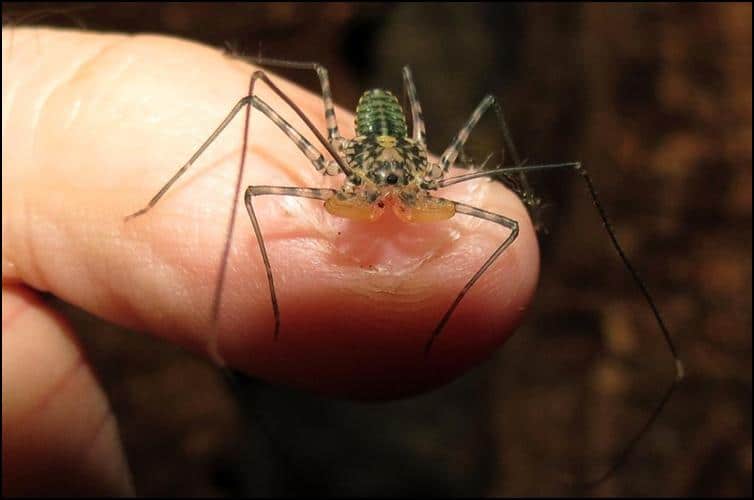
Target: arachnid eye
{"points": [[392, 179]]}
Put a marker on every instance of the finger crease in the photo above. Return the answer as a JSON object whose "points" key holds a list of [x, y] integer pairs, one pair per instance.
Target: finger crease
{"points": [[68, 77], [98, 429], [56, 388]]}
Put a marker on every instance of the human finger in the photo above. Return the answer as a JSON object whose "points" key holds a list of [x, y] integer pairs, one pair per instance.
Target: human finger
{"points": [[100, 122]]}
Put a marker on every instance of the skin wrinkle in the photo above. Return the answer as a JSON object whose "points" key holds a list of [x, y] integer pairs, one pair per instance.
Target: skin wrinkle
{"points": [[9, 97], [55, 389], [41, 282], [107, 421], [388, 281], [404, 275], [9, 264], [95, 59], [12, 316], [85, 443], [64, 81], [115, 76], [397, 282], [116, 472], [124, 304], [159, 261]]}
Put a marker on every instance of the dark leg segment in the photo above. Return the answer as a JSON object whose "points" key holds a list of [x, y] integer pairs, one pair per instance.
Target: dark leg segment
{"points": [[419, 133], [679, 368], [303, 144], [489, 216], [233, 112], [456, 145], [451, 153], [324, 80], [459, 141], [260, 75], [314, 193]]}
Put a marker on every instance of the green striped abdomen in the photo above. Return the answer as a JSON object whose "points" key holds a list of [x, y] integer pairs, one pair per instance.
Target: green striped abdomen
{"points": [[379, 113]]}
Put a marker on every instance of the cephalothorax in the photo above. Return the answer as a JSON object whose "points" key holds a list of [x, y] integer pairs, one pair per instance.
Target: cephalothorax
{"points": [[386, 168]]}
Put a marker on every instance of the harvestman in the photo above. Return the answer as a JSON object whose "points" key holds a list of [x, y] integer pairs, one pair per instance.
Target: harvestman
{"points": [[385, 168]]}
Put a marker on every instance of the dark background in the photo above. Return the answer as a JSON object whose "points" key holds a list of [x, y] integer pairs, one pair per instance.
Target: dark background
{"points": [[656, 101]]}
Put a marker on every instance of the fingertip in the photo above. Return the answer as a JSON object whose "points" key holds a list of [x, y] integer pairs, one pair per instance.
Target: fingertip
{"points": [[357, 316]]}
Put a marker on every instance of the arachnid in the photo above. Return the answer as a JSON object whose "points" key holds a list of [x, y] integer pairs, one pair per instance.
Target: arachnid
{"points": [[387, 167]]}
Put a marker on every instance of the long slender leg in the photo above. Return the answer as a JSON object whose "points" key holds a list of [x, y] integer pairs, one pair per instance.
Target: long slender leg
{"points": [[306, 147], [504, 170], [257, 75], [333, 133], [342, 165], [419, 132], [451, 153], [679, 368], [312, 153], [303, 144], [489, 216], [522, 184], [510, 147], [251, 191], [608, 227], [300, 141], [246, 100], [233, 112]]}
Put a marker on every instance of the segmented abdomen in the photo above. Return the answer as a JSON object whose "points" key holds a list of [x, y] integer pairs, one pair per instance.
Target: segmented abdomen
{"points": [[379, 113]]}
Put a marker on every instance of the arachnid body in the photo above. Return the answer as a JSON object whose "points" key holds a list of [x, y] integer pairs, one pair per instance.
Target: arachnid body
{"points": [[386, 168]]}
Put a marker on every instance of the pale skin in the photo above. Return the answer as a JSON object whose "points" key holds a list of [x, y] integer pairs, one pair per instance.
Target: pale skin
{"points": [[93, 126]]}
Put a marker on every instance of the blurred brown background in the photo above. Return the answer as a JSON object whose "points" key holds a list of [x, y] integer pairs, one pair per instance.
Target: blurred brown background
{"points": [[656, 101]]}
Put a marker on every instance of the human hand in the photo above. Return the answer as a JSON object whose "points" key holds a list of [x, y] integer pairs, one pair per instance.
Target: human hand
{"points": [[93, 126]]}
